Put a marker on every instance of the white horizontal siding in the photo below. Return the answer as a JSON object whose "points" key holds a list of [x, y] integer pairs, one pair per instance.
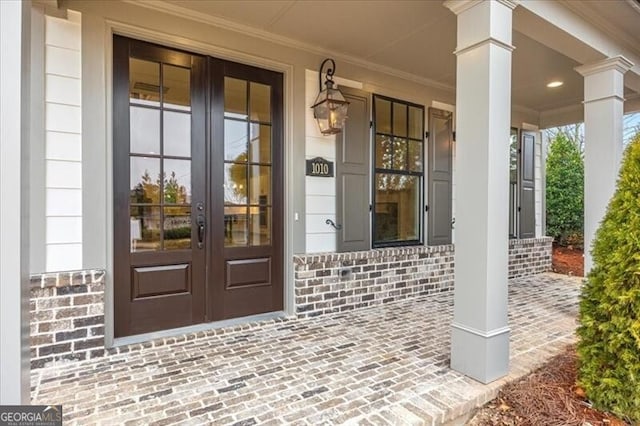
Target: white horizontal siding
{"points": [[63, 144], [63, 62], [317, 223], [64, 229], [64, 174], [63, 118], [63, 90], [320, 191], [63, 202], [63, 257]]}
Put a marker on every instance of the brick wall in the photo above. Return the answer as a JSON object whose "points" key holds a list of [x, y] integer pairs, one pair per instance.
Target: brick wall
{"points": [[529, 257], [336, 282], [67, 317], [67, 309]]}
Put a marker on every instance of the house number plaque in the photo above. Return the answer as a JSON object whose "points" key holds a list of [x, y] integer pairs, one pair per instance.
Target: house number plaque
{"points": [[319, 167]]}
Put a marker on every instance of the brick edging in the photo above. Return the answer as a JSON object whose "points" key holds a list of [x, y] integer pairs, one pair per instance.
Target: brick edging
{"points": [[301, 259], [526, 241], [67, 278]]}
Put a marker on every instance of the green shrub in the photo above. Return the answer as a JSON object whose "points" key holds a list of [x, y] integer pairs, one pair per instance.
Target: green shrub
{"points": [[177, 233], [609, 331], [565, 191]]}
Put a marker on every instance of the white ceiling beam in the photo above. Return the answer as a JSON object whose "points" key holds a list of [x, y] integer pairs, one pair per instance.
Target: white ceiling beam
{"points": [[559, 28]]}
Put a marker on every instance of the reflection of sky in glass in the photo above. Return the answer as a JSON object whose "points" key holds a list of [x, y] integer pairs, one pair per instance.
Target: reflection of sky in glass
{"points": [[177, 134], [235, 140], [145, 130]]}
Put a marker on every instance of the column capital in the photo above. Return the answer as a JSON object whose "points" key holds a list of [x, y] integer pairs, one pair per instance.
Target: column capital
{"points": [[618, 63], [459, 6]]}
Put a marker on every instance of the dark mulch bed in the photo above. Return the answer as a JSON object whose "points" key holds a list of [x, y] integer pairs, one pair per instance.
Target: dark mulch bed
{"points": [[548, 396], [568, 261]]}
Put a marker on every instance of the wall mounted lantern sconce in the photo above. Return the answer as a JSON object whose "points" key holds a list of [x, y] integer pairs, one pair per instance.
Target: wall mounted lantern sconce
{"points": [[330, 107]]}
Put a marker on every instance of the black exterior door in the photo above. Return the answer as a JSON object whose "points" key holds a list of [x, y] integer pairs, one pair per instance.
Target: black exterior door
{"points": [[197, 189]]}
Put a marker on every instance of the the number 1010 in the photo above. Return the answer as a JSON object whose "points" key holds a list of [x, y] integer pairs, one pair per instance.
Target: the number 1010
{"points": [[320, 169]]}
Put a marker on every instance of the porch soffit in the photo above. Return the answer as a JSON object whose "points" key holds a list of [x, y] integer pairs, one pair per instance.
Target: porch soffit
{"points": [[410, 40]]}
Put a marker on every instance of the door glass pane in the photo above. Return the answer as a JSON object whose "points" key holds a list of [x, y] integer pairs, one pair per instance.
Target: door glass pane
{"points": [[144, 130], [235, 98], [260, 226], [144, 82], [235, 141], [415, 123], [235, 184], [399, 154], [397, 209], [145, 180], [177, 133], [383, 116], [235, 226], [260, 185], [177, 87], [144, 228], [415, 156], [260, 144], [399, 119], [260, 102], [177, 228], [384, 152], [177, 181]]}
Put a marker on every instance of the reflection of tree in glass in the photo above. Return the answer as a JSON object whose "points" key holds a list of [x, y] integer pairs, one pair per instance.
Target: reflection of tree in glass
{"points": [[148, 192], [238, 177], [174, 193]]}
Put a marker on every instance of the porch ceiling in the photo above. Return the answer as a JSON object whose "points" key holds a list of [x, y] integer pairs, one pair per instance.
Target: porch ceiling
{"points": [[412, 37]]}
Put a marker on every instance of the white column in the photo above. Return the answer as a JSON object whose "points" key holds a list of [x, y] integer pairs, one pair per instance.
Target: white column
{"points": [[14, 200], [603, 112], [480, 332]]}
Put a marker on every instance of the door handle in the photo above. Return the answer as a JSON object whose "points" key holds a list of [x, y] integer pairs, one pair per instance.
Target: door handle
{"points": [[200, 222], [332, 223]]}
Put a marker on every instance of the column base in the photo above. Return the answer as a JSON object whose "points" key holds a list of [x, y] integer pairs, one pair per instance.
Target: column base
{"points": [[483, 356]]}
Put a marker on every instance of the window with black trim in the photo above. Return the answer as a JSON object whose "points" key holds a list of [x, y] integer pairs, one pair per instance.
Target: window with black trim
{"points": [[398, 128]]}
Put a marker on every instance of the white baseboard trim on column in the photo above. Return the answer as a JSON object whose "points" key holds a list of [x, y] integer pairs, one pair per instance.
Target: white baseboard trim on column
{"points": [[489, 363]]}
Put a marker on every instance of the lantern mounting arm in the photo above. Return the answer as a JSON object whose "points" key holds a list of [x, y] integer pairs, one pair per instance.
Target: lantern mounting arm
{"points": [[331, 69]]}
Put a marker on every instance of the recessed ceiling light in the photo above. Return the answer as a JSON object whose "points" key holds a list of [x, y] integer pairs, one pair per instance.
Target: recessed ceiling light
{"points": [[555, 84]]}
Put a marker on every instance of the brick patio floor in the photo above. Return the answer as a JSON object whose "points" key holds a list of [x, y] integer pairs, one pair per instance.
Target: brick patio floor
{"points": [[382, 365]]}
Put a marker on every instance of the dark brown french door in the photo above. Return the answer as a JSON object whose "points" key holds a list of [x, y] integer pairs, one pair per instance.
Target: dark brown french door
{"points": [[197, 188]]}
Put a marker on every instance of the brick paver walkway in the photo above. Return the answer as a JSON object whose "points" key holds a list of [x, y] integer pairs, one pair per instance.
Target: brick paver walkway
{"points": [[382, 365]]}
